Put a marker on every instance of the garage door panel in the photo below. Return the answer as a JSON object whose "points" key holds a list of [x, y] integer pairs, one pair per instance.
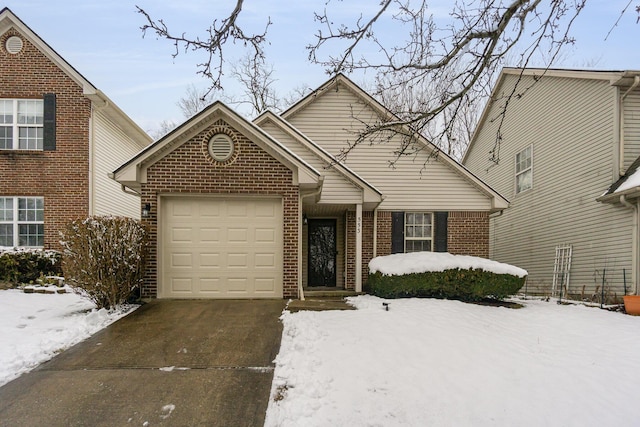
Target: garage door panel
{"points": [[209, 235], [210, 285], [235, 261], [237, 209], [182, 285], [209, 211], [265, 235], [181, 260], [210, 261], [237, 235], [266, 260], [237, 285], [181, 235], [265, 285], [217, 248]]}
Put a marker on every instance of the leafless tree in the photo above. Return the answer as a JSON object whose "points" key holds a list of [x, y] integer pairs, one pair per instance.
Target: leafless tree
{"points": [[457, 57], [194, 101], [163, 128], [219, 33], [257, 81]]}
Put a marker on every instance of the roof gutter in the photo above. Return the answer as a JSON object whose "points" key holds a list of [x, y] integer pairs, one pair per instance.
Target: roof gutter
{"points": [[635, 261]]}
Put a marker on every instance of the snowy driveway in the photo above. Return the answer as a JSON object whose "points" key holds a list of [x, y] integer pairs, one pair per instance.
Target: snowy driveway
{"points": [[169, 362]]}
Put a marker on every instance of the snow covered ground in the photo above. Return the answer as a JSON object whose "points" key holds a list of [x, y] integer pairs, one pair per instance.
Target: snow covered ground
{"points": [[429, 362], [35, 327]]}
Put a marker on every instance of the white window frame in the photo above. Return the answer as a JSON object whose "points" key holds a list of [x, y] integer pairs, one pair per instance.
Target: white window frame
{"points": [[16, 222], [15, 126], [418, 238], [526, 170]]}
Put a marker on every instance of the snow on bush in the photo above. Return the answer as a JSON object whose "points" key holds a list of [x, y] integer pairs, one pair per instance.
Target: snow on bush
{"points": [[105, 256], [422, 262]]}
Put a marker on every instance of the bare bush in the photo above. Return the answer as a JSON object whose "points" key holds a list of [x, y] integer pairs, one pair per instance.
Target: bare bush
{"points": [[105, 257]]}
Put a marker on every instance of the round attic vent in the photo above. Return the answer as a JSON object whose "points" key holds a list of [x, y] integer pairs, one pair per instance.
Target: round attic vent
{"points": [[14, 44], [220, 147]]}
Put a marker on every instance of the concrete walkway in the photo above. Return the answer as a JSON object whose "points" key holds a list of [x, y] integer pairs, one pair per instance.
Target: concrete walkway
{"points": [[174, 363]]}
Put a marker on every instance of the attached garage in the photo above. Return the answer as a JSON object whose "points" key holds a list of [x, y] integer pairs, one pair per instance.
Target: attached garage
{"points": [[214, 247]]}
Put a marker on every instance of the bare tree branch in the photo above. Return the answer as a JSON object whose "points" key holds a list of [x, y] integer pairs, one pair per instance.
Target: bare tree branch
{"points": [[219, 34]]}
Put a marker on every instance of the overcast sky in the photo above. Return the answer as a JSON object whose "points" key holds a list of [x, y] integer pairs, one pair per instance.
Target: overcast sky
{"points": [[103, 41]]}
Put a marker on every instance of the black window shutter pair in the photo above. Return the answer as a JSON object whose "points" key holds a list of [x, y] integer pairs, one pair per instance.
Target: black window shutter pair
{"points": [[440, 235], [49, 122]]}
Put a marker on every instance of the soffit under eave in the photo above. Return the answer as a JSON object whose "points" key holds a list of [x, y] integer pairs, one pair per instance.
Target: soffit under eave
{"points": [[614, 198]]}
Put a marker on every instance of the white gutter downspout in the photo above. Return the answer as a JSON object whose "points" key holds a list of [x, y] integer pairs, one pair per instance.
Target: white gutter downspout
{"points": [[359, 247], [636, 82], [634, 241], [315, 194], [375, 227]]}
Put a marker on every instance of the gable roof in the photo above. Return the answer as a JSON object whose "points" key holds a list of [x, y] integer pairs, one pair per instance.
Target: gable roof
{"points": [[615, 78], [497, 200], [133, 173], [9, 20], [370, 193]]}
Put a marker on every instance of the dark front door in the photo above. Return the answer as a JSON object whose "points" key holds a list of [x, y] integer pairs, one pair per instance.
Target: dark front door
{"points": [[322, 252]]}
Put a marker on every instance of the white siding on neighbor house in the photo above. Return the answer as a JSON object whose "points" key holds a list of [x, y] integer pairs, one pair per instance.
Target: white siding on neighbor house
{"points": [[570, 123], [111, 148], [336, 187], [416, 182], [631, 108]]}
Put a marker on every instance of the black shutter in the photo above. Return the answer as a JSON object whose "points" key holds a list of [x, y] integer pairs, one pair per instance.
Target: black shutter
{"points": [[440, 238], [49, 122], [397, 232]]}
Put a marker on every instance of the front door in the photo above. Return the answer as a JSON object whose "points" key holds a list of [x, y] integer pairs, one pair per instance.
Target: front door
{"points": [[322, 252]]}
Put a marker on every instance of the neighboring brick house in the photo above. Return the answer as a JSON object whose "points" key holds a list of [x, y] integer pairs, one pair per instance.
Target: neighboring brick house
{"points": [[60, 137], [263, 209]]}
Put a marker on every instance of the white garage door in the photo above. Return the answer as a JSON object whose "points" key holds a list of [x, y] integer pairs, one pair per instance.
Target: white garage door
{"points": [[221, 248]]}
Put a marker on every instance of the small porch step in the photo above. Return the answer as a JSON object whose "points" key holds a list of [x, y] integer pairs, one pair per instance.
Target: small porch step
{"points": [[323, 299], [330, 293]]}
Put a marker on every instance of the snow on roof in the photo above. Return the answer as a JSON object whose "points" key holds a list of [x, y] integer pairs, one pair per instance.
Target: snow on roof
{"points": [[422, 262], [631, 182]]}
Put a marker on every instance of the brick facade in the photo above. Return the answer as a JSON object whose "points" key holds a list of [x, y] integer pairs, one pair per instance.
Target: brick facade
{"points": [[60, 176], [190, 169], [467, 234]]}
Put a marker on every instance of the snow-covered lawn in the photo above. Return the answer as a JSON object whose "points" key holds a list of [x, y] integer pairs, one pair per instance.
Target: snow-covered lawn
{"points": [[35, 327], [428, 362]]}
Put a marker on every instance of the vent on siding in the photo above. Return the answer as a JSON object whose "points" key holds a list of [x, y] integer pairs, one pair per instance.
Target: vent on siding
{"points": [[221, 147], [14, 44]]}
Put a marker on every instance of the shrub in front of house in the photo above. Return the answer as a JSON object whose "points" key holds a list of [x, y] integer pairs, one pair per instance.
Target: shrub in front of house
{"points": [[105, 257], [442, 275], [21, 266]]}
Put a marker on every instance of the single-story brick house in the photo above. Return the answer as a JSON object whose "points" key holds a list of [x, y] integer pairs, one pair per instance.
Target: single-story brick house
{"points": [[262, 209]]}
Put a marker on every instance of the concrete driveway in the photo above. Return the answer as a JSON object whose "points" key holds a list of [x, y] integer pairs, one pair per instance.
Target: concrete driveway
{"points": [[171, 362]]}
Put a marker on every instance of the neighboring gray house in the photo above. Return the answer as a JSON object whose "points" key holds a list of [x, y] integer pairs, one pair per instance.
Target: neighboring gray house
{"points": [[567, 138]]}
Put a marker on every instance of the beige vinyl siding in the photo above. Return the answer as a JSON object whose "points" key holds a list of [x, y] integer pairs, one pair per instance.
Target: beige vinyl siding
{"points": [[571, 125], [111, 148], [631, 108], [336, 188], [416, 182]]}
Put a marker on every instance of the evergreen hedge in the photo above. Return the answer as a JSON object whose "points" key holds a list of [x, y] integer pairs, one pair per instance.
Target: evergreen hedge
{"points": [[458, 284], [26, 266]]}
